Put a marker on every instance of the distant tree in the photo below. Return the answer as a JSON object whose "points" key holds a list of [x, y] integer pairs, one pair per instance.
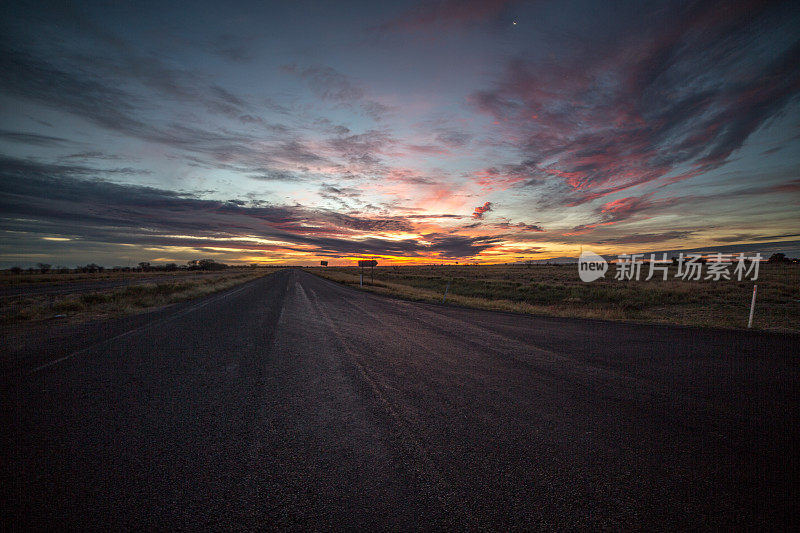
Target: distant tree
{"points": [[16, 270], [206, 264], [44, 268], [170, 267], [144, 266], [777, 258]]}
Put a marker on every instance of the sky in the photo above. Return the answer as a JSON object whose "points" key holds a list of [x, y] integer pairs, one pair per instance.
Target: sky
{"points": [[290, 132]]}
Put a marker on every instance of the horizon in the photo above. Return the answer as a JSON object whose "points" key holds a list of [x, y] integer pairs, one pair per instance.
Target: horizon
{"points": [[791, 249], [411, 133]]}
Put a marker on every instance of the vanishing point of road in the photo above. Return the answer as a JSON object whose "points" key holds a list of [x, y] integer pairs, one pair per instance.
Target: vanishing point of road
{"points": [[291, 402]]}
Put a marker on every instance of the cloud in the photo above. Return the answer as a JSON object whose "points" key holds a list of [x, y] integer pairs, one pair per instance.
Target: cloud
{"points": [[669, 101], [33, 138], [623, 209], [78, 202], [329, 84], [434, 216], [481, 210], [275, 175], [454, 139], [232, 48], [520, 226], [641, 238], [461, 246]]}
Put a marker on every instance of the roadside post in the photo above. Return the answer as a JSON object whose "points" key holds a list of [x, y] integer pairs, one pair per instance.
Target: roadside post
{"points": [[752, 306], [366, 263], [446, 289]]}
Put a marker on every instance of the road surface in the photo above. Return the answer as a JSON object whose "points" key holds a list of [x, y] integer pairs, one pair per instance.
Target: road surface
{"points": [[291, 402]]}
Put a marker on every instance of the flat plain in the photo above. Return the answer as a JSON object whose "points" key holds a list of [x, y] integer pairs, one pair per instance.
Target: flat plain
{"points": [[556, 290]]}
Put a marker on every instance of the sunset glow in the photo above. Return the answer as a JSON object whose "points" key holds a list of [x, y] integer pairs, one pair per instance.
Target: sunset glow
{"points": [[478, 132]]}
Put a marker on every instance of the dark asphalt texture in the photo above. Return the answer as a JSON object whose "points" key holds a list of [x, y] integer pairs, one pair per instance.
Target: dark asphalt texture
{"points": [[294, 403]]}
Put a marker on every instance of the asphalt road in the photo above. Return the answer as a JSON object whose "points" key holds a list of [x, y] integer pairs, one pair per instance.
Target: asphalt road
{"points": [[294, 403]]}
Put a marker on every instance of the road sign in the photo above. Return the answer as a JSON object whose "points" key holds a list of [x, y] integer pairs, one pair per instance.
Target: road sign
{"points": [[371, 263], [323, 263]]}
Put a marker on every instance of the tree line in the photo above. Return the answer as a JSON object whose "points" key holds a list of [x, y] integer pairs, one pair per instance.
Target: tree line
{"points": [[144, 266]]}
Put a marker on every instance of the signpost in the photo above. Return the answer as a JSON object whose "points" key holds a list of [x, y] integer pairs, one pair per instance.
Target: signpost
{"points": [[323, 263], [371, 263]]}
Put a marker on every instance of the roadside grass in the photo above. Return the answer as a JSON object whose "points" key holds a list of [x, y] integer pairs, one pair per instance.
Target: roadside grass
{"points": [[556, 290], [131, 299], [29, 278]]}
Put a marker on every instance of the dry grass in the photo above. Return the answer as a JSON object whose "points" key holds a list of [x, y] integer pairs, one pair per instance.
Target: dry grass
{"points": [[53, 278], [556, 290], [130, 299]]}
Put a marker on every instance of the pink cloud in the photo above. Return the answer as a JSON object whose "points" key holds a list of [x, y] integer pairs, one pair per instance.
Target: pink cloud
{"points": [[481, 210]]}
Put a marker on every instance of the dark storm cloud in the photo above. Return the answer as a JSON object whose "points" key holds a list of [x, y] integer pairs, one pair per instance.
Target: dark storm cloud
{"points": [[674, 97], [342, 220], [71, 200], [462, 246]]}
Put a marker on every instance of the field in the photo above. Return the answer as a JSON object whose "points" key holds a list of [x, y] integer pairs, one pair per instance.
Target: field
{"points": [[29, 297], [556, 290]]}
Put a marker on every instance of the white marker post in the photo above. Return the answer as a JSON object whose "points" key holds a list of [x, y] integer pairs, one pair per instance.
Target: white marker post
{"points": [[752, 307], [445, 291], [361, 283]]}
